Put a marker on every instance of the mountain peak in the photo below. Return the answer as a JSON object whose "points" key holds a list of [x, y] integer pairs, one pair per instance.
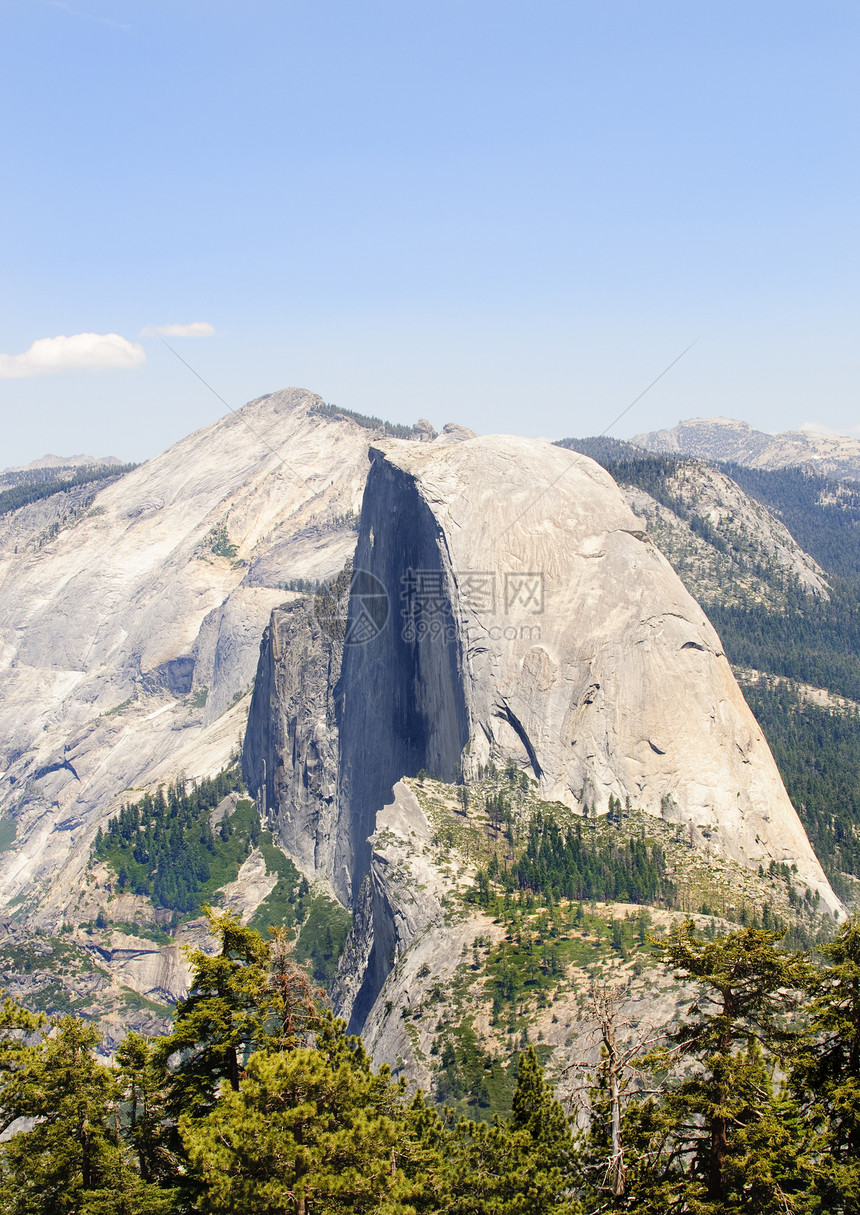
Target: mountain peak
{"points": [[718, 438]]}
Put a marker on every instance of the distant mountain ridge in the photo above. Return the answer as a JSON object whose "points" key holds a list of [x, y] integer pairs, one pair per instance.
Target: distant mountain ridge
{"points": [[55, 463], [829, 454]]}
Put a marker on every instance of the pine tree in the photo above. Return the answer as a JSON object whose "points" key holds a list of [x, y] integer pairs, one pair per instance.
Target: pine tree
{"points": [[291, 1002], [826, 1076], [311, 1130], [527, 1163], [71, 1161], [143, 1082], [17, 1027], [218, 1022], [695, 1147]]}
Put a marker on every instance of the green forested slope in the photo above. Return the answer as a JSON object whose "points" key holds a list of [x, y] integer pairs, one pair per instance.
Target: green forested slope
{"points": [[165, 848], [34, 491]]}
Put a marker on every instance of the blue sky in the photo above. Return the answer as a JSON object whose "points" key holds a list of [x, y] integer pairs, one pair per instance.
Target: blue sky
{"points": [[513, 215]]}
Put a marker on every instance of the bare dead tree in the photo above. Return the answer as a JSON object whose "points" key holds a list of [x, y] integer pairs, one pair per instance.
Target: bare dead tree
{"points": [[606, 1000], [294, 999]]}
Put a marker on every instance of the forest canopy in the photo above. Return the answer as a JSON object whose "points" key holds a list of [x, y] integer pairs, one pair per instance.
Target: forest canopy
{"points": [[258, 1101]]}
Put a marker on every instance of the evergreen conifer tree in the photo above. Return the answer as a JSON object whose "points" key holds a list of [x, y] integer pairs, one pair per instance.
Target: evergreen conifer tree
{"points": [[695, 1148], [71, 1160], [526, 1163], [218, 1022], [311, 1130], [826, 1076]]}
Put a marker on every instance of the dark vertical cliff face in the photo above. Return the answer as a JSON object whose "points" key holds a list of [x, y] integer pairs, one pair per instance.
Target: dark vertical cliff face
{"points": [[290, 756], [342, 709], [400, 700], [334, 724]]}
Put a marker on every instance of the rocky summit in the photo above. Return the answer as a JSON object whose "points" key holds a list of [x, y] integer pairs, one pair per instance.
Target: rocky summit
{"points": [[130, 631], [819, 451]]}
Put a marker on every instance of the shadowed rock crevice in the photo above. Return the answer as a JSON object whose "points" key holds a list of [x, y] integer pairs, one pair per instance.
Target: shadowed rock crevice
{"points": [[505, 713], [400, 701]]}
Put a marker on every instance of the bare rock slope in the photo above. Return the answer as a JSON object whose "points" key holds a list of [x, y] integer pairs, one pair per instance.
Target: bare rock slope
{"points": [[130, 631]]}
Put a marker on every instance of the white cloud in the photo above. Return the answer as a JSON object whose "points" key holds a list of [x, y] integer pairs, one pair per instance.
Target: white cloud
{"points": [[195, 329], [80, 352]]}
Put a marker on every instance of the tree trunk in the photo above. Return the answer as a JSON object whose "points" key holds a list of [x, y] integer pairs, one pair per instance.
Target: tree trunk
{"points": [[616, 1164], [605, 1002], [233, 1074], [719, 1150], [719, 1125]]}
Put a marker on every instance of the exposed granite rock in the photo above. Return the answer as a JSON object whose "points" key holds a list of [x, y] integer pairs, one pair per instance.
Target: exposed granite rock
{"points": [[453, 432], [531, 621], [159, 972], [402, 942], [751, 536], [832, 455], [122, 613], [290, 757], [591, 667], [251, 886], [423, 431]]}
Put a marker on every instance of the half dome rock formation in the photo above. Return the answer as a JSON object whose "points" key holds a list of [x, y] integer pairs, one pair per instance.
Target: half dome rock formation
{"points": [[530, 619]]}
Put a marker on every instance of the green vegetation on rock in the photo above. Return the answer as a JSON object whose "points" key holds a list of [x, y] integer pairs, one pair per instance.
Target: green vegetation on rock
{"points": [[565, 864], [21, 495], [167, 848], [8, 831], [163, 847], [817, 749], [396, 429]]}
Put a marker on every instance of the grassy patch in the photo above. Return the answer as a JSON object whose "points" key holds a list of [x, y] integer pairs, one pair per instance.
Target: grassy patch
{"points": [[323, 935], [8, 831], [288, 903], [321, 922], [134, 1000]]}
